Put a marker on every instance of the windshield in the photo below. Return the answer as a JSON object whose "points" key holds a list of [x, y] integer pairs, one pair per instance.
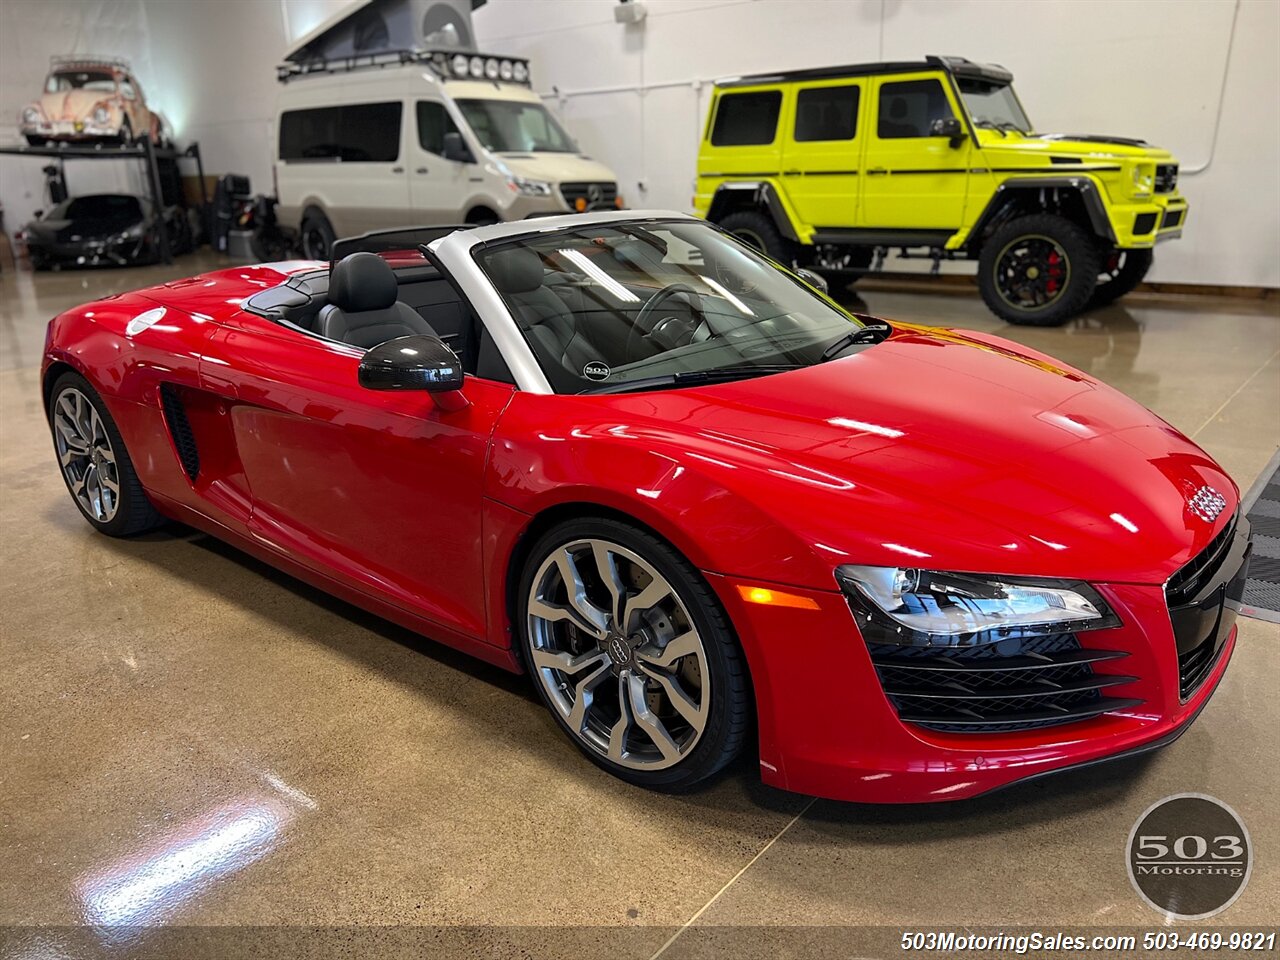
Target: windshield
{"points": [[619, 306], [97, 80], [107, 206], [513, 126], [993, 105]]}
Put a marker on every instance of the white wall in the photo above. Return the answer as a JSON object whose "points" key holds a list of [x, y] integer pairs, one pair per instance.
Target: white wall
{"points": [[636, 96]]}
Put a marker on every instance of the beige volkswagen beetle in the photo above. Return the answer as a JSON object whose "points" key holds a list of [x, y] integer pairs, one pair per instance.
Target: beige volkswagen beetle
{"points": [[88, 98]]}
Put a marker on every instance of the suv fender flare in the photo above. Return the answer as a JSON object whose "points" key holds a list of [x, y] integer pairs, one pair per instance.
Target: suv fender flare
{"points": [[760, 194], [1084, 187]]}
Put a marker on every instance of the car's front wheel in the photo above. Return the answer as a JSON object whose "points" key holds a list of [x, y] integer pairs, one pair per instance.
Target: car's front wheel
{"points": [[1122, 271], [757, 229], [632, 654], [94, 462], [317, 236], [1039, 270]]}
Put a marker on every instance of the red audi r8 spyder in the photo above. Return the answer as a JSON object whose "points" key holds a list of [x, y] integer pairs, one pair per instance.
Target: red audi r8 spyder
{"points": [[695, 499]]}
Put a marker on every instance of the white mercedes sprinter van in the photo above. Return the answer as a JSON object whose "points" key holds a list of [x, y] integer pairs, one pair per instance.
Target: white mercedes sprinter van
{"points": [[410, 138]]}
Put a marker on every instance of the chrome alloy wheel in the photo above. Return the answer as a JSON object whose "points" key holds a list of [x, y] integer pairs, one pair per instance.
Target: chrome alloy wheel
{"points": [[85, 454], [618, 654]]}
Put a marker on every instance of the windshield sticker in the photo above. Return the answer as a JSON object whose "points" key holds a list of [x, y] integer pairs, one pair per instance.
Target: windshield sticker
{"points": [[596, 371]]}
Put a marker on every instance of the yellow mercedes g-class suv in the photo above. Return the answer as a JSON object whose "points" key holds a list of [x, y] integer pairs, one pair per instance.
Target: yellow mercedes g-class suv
{"points": [[829, 168]]}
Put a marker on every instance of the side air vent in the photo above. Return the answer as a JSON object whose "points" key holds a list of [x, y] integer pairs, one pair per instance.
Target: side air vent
{"points": [[184, 440]]}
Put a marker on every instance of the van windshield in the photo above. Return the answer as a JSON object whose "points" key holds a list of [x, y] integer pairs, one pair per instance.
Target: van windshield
{"points": [[513, 126]]}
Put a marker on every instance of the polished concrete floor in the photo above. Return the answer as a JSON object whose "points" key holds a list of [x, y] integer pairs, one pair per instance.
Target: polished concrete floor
{"points": [[192, 739]]}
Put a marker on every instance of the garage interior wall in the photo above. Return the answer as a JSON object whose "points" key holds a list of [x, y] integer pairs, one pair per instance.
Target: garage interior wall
{"points": [[1198, 76]]}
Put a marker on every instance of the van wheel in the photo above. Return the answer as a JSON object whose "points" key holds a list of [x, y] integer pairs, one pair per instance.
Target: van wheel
{"points": [[1122, 270], [757, 229], [1038, 270], [317, 236]]}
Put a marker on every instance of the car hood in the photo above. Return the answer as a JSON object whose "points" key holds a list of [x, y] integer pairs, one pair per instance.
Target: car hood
{"points": [[1074, 145], [960, 451], [557, 167], [71, 104]]}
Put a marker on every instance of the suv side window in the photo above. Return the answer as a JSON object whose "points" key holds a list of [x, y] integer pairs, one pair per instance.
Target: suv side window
{"points": [[355, 133], [908, 108], [126, 88], [746, 119], [433, 123], [826, 113]]}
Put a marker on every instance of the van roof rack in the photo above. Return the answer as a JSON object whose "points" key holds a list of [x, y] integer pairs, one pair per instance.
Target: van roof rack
{"points": [[446, 64], [64, 61]]}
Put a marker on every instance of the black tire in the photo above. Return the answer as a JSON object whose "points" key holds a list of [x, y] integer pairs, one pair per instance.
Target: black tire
{"points": [[269, 246], [34, 140], [317, 236], [134, 512], [483, 217], [125, 136], [757, 229], [1122, 270], [1017, 265], [729, 716]]}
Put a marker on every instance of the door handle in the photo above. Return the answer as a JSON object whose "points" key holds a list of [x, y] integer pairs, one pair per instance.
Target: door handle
{"points": [[421, 170], [876, 172], [397, 169], [791, 173]]}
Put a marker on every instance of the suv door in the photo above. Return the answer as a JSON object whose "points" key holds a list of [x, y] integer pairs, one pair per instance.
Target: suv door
{"points": [[914, 179], [437, 187], [821, 152]]}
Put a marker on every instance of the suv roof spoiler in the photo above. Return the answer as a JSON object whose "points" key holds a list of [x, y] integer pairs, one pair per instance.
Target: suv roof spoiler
{"points": [[446, 64], [958, 66], [67, 60]]}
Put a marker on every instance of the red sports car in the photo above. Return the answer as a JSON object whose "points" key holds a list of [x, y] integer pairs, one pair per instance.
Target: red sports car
{"points": [[702, 505]]}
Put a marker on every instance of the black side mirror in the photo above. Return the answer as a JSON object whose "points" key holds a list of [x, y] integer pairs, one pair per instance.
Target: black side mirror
{"points": [[455, 148], [948, 127], [415, 363], [815, 280]]}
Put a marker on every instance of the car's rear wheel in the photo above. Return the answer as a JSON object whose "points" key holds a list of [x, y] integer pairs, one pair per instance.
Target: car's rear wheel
{"points": [[632, 654], [758, 230], [95, 464], [317, 236], [1122, 270], [841, 266], [1038, 270]]}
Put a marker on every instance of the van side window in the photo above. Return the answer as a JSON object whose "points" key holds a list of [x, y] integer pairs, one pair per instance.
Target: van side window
{"points": [[354, 133], [908, 108], [433, 123], [746, 119], [827, 113]]}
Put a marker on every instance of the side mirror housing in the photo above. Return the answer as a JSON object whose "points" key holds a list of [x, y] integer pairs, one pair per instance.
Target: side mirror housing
{"points": [[815, 280], [455, 148], [415, 363], [949, 127]]}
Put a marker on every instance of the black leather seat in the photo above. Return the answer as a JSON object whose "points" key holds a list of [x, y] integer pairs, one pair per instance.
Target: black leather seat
{"points": [[362, 308], [517, 272]]}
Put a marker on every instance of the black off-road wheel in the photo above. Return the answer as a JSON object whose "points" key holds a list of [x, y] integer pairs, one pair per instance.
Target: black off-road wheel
{"points": [[632, 654], [317, 236], [94, 462], [1038, 270], [1122, 271], [758, 230], [841, 266]]}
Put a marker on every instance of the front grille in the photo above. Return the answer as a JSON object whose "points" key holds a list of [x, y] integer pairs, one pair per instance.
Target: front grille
{"points": [[1011, 684], [1185, 585], [603, 196], [1194, 666], [184, 441], [1166, 177], [1171, 219]]}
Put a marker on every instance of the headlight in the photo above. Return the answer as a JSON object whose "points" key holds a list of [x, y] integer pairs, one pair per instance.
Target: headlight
{"points": [[132, 233], [491, 69], [31, 115], [477, 67], [101, 115], [460, 64], [931, 607], [530, 188], [1143, 177], [520, 72]]}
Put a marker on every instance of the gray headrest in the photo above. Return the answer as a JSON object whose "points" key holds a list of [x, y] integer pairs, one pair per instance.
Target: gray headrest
{"points": [[516, 270], [362, 281]]}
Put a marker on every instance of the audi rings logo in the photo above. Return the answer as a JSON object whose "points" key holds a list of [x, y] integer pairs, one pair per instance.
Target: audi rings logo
{"points": [[1189, 856], [1206, 504]]}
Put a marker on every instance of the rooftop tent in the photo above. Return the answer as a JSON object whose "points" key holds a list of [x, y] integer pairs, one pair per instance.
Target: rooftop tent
{"points": [[383, 26]]}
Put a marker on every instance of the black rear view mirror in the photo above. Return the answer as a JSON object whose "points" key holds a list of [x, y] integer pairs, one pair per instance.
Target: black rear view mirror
{"points": [[415, 363], [949, 127], [455, 148]]}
